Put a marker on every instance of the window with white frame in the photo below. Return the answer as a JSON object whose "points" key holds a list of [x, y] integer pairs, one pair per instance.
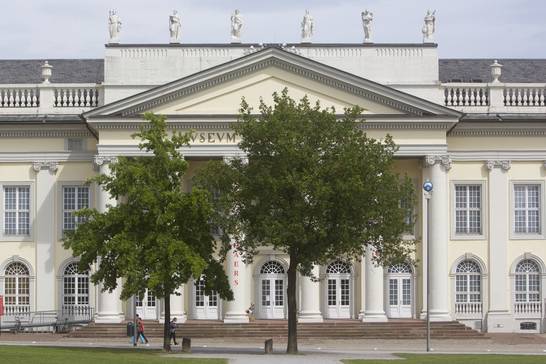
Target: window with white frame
{"points": [[468, 280], [527, 281], [17, 287], [468, 209], [527, 205], [74, 198], [17, 210], [75, 286]]}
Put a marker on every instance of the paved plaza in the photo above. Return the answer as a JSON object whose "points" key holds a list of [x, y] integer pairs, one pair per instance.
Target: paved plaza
{"points": [[314, 351]]}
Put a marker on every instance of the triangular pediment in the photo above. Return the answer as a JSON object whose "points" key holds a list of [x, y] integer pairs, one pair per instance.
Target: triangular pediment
{"points": [[218, 90]]}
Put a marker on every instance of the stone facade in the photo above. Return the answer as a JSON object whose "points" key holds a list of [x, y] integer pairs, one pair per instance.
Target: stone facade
{"points": [[481, 144]]}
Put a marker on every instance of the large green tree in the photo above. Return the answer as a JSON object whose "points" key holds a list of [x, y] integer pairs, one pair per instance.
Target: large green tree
{"points": [[158, 236], [312, 185]]}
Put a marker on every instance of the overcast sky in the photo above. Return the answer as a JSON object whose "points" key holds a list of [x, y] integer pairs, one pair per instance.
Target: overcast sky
{"points": [[465, 28]]}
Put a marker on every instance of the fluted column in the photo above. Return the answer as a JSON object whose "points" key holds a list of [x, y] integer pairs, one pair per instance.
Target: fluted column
{"points": [[310, 298], [45, 235], [109, 308], [374, 294], [498, 316], [438, 238], [237, 272]]}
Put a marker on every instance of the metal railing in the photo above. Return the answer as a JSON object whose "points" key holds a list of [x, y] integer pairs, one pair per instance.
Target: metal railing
{"points": [[54, 320]]}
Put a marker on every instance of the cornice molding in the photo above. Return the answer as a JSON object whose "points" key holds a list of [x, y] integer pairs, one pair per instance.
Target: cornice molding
{"points": [[505, 164], [228, 124], [43, 133], [443, 160], [51, 166], [499, 132], [30, 157], [512, 155]]}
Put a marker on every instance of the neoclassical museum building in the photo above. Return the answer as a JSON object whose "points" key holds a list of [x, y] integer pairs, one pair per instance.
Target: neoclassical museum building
{"points": [[475, 127]]}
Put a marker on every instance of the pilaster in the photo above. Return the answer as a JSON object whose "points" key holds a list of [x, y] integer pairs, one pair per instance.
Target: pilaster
{"points": [[498, 316], [45, 234]]}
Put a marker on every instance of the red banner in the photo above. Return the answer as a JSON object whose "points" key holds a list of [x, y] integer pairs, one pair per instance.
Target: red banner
{"points": [[1, 305]]}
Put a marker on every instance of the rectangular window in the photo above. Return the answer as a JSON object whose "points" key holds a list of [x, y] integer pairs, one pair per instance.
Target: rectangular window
{"points": [[468, 209], [74, 198], [17, 210], [527, 209]]}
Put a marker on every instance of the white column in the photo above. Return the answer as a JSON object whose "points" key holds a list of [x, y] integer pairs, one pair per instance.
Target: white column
{"points": [[374, 294], [44, 230], [438, 238], [310, 298], [498, 316], [177, 307], [109, 308], [237, 272]]}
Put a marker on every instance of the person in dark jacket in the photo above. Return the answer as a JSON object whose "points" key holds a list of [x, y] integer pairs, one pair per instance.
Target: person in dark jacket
{"points": [[172, 331]]}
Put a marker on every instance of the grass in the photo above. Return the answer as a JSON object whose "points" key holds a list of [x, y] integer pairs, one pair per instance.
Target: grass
{"points": [[49, 355], [456, 358]]}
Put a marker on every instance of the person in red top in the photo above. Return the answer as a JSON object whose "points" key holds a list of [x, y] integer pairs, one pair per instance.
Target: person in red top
{"points": [[140, 329]]}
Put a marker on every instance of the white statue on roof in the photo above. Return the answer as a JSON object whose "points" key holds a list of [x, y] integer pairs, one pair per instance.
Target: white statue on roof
{"points": [[236, 26], [367, 19], [307, 27], [114, 26], [174, 26], [429, 27]]}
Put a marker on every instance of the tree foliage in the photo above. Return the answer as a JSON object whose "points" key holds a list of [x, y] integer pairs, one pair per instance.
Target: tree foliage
{"points": [[312, 185], [158, 236]]}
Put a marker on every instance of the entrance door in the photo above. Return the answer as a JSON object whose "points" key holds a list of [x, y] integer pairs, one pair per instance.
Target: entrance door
{"points": [[338, 290], [272, 291], [205, 307], [147, 307], [400, 291]]}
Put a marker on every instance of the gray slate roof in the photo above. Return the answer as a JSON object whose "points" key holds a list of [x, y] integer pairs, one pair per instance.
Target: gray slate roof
{"points": [[478, 70], [64, 70], [92, 70]]}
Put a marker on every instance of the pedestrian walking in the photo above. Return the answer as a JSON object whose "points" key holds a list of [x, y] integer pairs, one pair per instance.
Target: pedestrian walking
{"points": [[140, 330], [172, 330]]}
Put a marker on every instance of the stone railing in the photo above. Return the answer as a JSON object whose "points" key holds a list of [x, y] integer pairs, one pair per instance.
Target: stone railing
{"points": [[47, 98], [528, 309], [76, 97], [495, 97], [15, 96], [465, 95], [20, 312], [468, 310]]}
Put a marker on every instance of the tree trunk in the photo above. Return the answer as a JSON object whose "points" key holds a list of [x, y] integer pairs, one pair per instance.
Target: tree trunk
{"points": [[166, 325], [292, 347]]}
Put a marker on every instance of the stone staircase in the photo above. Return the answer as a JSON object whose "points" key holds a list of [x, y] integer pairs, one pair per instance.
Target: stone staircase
{"points": [[329, 329]]}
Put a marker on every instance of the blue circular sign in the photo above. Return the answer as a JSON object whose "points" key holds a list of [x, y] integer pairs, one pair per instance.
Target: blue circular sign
{"points": [[427, 186]]}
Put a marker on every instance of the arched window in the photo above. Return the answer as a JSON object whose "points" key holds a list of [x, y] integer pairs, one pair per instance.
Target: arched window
{"points": [[272, 267], [399, 268], [75, 286], [17, 287], [468, 282], [338, 267], [527, 281]]}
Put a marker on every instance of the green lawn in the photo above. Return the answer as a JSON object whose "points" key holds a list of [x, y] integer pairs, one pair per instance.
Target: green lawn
{"points": [[48, 355], [456, 359]]}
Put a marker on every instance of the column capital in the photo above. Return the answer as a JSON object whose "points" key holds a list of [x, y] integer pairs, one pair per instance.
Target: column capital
{"points": [[503, 164], [100, 160], [52, 166], [442, 160]]}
